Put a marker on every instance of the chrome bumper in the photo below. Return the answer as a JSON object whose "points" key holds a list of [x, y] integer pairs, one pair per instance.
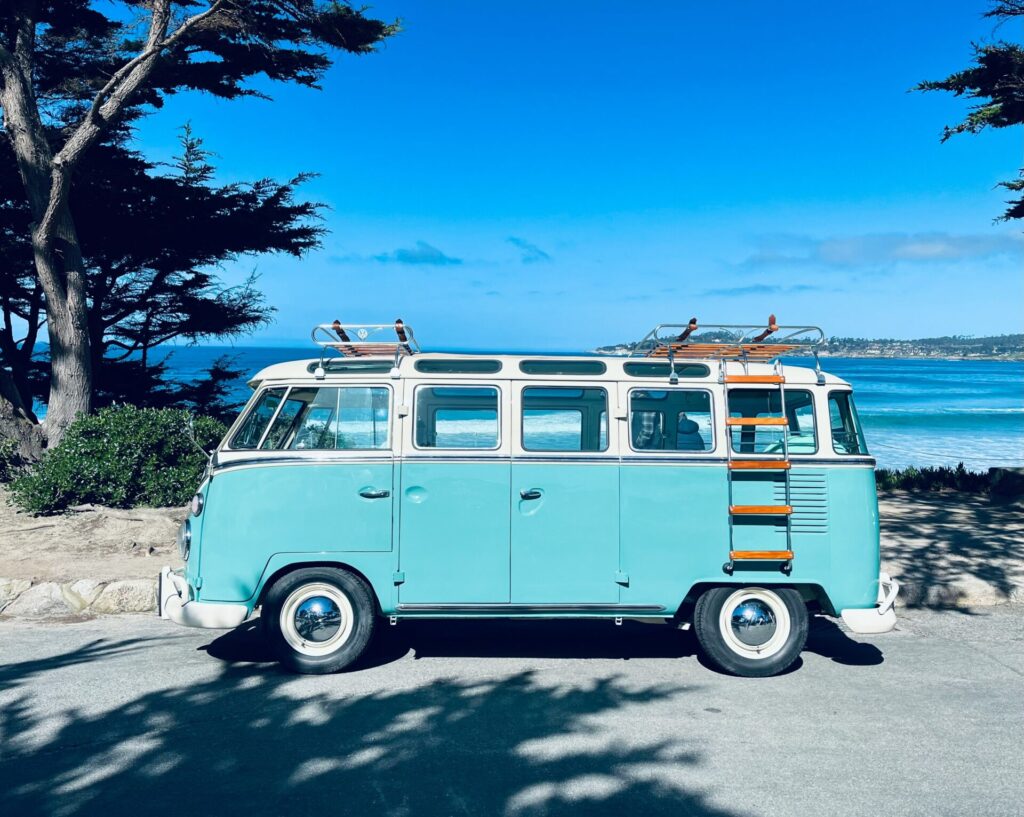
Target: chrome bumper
{"points": [[172, 591], [878, 619]]}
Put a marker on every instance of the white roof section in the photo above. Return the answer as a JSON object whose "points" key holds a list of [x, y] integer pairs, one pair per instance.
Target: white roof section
{"points": [[302, 370]]}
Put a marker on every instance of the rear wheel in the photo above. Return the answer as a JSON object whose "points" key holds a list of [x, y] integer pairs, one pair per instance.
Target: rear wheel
{"points": [[751, 631], [319, 619]]}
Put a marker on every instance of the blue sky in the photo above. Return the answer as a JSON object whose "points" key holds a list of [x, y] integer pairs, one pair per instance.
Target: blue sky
{"points": [[558, 175]]}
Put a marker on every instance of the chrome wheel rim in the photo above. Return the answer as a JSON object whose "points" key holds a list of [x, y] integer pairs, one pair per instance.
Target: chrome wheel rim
{"points": [[316, 619], [755, 623]]}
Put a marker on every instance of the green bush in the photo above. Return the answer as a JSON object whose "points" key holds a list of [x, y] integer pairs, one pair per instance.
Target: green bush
{"points": [[10, 461], [933, 479], [122, 457]]}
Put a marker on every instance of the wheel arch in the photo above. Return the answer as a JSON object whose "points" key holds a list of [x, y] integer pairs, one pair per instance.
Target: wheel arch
{"points": [[291, 567], [814, 595]]}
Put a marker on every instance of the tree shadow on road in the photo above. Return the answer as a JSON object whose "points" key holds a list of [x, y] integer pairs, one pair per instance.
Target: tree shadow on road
{"points": [[253, 740], [932, 542]]}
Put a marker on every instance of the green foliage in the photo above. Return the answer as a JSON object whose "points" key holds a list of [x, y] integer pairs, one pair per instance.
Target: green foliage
{"points": [[123, 457], [933, 479], [10, 461], [996, 81]]}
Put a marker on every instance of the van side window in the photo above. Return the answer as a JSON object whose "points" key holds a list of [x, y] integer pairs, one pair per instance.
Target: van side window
{"points": [[456, 417], [565, 419], [847, 437], [252, 428], [330, 419], [670, 420], [768, 439]]}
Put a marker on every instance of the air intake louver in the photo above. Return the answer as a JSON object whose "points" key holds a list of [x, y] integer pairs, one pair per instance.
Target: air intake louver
{"points": [[809, 498]]}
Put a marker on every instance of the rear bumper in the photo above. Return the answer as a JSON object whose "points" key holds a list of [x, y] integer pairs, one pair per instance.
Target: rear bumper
{"points": [[173, 595], [878, 619]]}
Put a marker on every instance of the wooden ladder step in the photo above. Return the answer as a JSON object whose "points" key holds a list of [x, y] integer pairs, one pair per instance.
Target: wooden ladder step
{"points": [[756, 421], [760, 510], [759, 465], [763, 555], [755, 378]]}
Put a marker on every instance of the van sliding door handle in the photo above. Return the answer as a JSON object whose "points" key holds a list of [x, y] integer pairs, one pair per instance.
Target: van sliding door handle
{"points": [[531, 494], [371, 493]]}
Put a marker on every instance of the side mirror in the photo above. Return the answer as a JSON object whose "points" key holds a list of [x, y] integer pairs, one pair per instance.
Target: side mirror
{"points": [[190, 429]]}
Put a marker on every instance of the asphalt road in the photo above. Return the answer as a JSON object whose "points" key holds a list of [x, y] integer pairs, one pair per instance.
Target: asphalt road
{"points": [[132, 715]]}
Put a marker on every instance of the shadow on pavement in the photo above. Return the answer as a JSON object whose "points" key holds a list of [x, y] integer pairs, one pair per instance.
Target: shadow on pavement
{"points": [[252, 741]]}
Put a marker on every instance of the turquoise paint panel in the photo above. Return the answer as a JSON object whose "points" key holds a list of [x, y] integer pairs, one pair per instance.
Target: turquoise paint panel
{"points": [[378, 568], [565, 545], [855, 538], [673, 527], [254, 512], [454, 532]]}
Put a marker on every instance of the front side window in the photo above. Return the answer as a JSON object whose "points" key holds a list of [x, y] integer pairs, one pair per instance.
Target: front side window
{"points": [[565, 419], [457, 417], [847, 437], [251, 431], [800, 432], [331, 419], [670, 420]]}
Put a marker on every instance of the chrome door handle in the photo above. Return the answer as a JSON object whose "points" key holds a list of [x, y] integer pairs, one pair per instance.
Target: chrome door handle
{"points": [[531, 494], [371, 493]]}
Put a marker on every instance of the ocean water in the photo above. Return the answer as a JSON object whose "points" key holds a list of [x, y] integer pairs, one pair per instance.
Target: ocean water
{"points": [[914, 411]]}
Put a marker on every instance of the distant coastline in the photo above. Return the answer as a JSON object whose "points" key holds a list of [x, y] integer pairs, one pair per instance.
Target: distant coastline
{"points": [[953, 347]]}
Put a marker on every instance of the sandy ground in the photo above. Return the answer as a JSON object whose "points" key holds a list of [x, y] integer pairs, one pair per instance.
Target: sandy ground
{"points": [[946, 548], [105, 544]]}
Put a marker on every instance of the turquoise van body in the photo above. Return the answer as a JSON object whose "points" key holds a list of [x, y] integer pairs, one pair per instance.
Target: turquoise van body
{"points": [[570, 500]]}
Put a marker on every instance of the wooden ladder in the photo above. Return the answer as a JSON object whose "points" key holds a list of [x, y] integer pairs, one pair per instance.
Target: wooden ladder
{"points": [[735, 465]]}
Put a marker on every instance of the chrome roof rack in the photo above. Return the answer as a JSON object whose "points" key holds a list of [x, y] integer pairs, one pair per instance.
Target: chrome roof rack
{"points": [[363, 339], [749, 344], [357, 340]]}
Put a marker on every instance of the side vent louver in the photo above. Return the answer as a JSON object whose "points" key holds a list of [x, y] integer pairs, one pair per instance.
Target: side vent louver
{"points": [[809, 498]]}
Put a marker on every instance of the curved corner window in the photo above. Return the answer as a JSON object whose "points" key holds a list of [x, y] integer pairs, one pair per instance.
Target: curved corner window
{"points": [[648, 369], [458, 366], [251, 431], [847, 436], [561, 367]]}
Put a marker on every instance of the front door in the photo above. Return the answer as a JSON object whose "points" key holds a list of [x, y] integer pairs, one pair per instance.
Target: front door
{"points": [[565, 498], [454, 529]]}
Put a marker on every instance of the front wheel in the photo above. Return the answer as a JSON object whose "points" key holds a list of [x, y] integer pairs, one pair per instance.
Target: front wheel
{"points": [[751, 631], [319, 619]]}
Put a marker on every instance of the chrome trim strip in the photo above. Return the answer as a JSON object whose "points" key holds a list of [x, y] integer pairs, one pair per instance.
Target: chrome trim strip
{"points": [[529, 608]]}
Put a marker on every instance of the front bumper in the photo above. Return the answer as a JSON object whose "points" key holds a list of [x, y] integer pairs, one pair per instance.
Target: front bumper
{"points": [[173, 595], [878, 619]]}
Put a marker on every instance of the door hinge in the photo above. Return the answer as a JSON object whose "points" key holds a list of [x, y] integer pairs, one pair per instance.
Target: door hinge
{"points": [[622, 578], [402, 411], [198, 583], [398, 576]]}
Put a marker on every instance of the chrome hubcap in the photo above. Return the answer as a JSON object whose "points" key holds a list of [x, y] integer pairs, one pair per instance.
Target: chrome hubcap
{"points": [[753, 622], [317, 619]]}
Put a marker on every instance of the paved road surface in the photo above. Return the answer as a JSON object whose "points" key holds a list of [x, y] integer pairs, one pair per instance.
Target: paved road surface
{"points": [[131, 715]]}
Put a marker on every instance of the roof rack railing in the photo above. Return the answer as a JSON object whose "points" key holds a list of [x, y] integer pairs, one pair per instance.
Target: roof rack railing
{"points": [[364, 339], [748, 344]]}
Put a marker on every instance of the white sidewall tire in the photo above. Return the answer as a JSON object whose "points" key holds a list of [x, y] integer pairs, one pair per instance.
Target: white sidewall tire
{"points": [[783, 623], [301, 594]]}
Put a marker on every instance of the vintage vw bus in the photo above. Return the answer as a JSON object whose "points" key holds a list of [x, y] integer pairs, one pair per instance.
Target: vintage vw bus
{"points": [[695, 481]]}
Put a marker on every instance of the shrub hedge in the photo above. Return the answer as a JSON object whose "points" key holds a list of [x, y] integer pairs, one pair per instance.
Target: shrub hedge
{"points": [[933, 479], [123, 457]]}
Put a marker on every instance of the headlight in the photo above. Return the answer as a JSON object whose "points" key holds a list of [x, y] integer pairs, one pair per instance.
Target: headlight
{"points": [[197, 504], [185, 539]]}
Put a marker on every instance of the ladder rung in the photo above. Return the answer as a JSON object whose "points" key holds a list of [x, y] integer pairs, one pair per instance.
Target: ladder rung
{"points": [[756, 421], [755, 378], [765, 555], [761, 510], [755, 465]]}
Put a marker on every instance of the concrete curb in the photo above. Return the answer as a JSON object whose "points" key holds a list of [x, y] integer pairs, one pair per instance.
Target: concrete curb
{"points": [[20, 598]]}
